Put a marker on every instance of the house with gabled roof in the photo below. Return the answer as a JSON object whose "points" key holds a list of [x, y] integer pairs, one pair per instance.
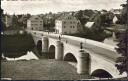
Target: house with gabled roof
{"points": [[66, 24], [116, 18], [35, 23], [89, 24]]}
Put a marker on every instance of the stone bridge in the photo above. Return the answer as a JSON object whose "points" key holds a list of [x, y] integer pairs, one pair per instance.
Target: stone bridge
{"points": [[90, 57]]}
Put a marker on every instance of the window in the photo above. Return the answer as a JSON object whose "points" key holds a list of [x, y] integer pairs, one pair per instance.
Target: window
{"points": [[36, 18], [65, 32], [71, 22], [33, 21], [70, 26], [69, 17], [64, 27], [64, 22]]}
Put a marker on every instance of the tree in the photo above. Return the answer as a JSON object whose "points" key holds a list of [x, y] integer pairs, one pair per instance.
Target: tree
{"points": [[84, 15], [124, 14], [14, 22], [122, 62], [96, 32]]}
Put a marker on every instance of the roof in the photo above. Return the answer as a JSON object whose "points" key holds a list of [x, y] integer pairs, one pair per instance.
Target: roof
{"points": [[89, 24], [35, 17], [65, 17], [116, 18], [115, 11]]}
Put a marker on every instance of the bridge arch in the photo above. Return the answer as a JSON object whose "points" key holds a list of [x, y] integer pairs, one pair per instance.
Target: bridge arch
{"points": [[51, 54], [39, 46], [101, 73], [70, 57]]}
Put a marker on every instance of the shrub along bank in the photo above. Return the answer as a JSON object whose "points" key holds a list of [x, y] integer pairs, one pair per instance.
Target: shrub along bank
{"points": [[16, 45]]}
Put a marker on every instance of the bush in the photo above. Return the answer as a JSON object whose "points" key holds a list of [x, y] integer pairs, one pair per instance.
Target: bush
{"points": [[17, 43], [93, 35]]}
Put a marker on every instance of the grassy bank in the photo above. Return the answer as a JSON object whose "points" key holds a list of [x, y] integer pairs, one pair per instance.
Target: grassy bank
{"points": [[43, 69]]}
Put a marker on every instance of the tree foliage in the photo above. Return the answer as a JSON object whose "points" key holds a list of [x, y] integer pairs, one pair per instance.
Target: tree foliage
{"points": [[122, 62], [2, 25], [14, 22], [16, 45], [102, 20], [84, 15]]}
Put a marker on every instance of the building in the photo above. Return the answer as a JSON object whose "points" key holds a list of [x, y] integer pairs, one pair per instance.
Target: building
{"points": [[103, 11], [89, 24], [66, 24], [116, 11], [8, 20], [35, 23], [116, 18]]}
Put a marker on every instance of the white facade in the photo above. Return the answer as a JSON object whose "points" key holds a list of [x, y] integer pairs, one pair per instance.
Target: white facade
{"points": [[115, 19], [35, 23], [89, 24], [66, 25], [8, 21]]}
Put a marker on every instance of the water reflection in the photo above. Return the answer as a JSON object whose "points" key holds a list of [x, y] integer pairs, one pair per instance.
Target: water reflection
{"points": [[29, 56]]}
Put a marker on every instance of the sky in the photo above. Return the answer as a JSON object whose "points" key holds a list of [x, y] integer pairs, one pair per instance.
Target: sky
{"points": [[46, 6]]}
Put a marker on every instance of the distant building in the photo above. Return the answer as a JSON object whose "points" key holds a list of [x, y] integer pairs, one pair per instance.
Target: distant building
{"points": [[89, 24], [49, 15], [103, 11], [116, 11], [35, 23], [116, 18], [66, 24], [8, 20]]}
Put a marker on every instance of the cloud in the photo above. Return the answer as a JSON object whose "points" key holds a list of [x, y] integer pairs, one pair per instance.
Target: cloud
{"points": [[44, 6]]}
